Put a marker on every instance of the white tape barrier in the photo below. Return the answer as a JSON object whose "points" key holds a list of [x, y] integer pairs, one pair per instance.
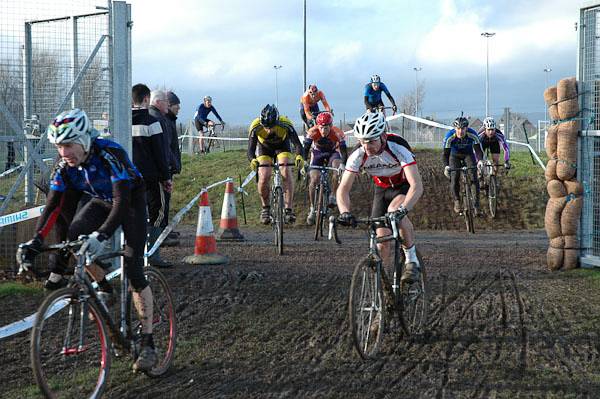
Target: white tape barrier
{"points": [[27, 323], [535, 155], [20, 216], [177, 218], [214, 138], [10, 171]]}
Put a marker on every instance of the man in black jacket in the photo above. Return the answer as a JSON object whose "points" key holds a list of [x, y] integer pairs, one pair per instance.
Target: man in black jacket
{"points": [[150, 157], [171, 118]]}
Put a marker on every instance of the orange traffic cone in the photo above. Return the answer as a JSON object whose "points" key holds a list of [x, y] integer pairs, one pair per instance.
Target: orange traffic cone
{"points": [[205, 249], [228, 227]]}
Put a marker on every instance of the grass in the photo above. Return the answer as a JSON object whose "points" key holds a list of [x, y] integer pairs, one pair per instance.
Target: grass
{"points": [[11, 288]]}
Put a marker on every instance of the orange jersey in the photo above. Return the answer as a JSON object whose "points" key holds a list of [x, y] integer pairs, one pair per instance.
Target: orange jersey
{"points": [[328, 144], [308, 102]]}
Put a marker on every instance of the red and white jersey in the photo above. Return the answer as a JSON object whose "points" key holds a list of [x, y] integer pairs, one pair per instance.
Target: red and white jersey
{"points": [[387, 167]]}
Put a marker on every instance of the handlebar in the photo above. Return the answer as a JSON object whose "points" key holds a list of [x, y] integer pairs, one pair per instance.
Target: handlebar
{"points": [[463, 168], [324, 168], [369, 221], [277, 164]]}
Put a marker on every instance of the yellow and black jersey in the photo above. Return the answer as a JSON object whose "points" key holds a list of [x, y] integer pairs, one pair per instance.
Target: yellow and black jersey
{"points": [[282, 132], [278, 134]]}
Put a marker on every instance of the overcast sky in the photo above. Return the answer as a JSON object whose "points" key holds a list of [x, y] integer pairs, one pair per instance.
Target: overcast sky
{"points": [[228, 48]]}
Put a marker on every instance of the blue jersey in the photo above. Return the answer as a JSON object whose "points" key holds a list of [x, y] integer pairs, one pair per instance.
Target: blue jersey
{"points": [[464, 146], [374, 96], [202, 113], [107, 164]]}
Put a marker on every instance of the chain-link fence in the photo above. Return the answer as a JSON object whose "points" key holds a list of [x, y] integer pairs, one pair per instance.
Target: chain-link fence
{"points": [[54, 55], [589, 143]]}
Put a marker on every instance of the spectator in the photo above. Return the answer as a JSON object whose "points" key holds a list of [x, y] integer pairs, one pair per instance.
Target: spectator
{"points": [[150, 157], [173, 110]]}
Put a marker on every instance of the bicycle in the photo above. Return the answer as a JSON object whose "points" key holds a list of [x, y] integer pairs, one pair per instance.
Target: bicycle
{"points": [[468, 199], [277, 206], [321, 197], [490, 184], [210, 136], [74, 332], [374, 298]]}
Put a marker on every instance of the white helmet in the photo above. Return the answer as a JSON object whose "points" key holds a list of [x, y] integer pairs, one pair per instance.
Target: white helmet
{"points": [[375, 79], [489, 123], [72, 127], [207, 98], [369, 126]]}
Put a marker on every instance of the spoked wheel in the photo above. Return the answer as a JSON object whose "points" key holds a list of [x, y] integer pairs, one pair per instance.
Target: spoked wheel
{"points": [[468, 208], [415, 302], [367, 317], [164, 328], [70, 347], [493, 195], [319, 211], [277, 218]]}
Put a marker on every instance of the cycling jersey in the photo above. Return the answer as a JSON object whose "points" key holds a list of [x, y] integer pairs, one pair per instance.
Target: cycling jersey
{"points": [[494, 142], [334, 140], [309, 103], [373, 96], [202, 112], [387, 167], [455, 146], [98, 173], [282, 131]]}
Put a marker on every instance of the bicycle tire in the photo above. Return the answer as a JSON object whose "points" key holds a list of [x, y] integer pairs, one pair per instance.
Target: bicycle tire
{"points": [[366, 296], [277, 209], [415, 302], [319, 209], [468, 207], [51, 352], [209, 143], [164, 325], [493, 195]]}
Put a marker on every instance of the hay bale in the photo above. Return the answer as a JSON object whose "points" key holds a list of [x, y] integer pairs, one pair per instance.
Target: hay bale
{"points": [[557, 242], [554, 258], [566, 147], [571, 242], [573, 187], [556, 189], [550, 96], [552, 221], [565, 170], [552, 141], [570, 259], [550, 171], [569, 218], [566, 96]]}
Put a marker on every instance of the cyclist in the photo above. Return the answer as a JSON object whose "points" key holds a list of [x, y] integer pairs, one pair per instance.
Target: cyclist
{"points": [[201, 118], [388, 159], [270, 137], [373, 90], [328, 144], [101, 170], [462, 146], [491, 137], [309, 104]]}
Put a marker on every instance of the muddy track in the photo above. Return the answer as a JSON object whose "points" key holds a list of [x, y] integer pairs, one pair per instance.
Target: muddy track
{"points": [[266, 326]]}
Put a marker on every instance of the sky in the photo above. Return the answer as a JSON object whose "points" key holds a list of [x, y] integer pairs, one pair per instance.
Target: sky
{"points": [[227, 49]]}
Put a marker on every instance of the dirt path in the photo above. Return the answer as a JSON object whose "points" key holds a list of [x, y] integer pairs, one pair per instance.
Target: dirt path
{"points": [[266, 326]]}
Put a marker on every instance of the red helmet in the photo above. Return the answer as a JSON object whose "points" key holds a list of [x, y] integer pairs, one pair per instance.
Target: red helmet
{"points": [[324, 119]]}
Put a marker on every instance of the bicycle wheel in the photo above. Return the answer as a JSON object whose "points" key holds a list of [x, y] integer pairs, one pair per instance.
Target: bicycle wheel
{"points": [[493, 196], [70, 347], [277, 212], [318, 201], [468, 207], [164, 327], [209, 143], [415, 302], [366, 308]]}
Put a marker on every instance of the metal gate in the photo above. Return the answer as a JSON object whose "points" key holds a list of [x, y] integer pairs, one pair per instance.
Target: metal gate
{"points": [[588, 75], [56, 55]]}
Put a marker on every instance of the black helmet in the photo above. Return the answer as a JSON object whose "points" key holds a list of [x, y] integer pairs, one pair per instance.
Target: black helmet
{"points": [[460, 122], [269, 116]]}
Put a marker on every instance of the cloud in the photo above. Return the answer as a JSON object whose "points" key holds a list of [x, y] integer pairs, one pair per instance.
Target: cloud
{"points": [[455, 41]]}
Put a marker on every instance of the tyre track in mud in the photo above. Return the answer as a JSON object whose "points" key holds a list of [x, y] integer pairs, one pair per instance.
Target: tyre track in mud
{"points": [[268, 326]]}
